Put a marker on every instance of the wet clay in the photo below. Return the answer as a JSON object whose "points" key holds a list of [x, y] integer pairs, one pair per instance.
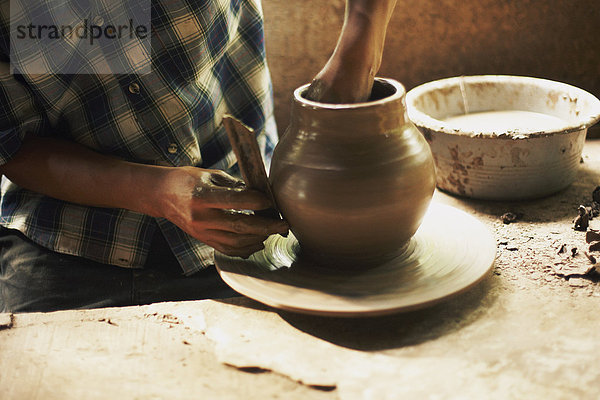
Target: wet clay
{"points": [[353, 180]]}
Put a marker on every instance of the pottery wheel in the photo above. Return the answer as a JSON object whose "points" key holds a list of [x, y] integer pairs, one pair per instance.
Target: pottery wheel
{"points": [[450, 253]]}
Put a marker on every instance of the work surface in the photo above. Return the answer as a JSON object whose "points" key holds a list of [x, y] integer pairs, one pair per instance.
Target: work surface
{"points": [[530, 330]]}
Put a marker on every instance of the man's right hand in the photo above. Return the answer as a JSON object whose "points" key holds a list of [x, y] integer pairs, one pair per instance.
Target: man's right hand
{"points": [[211, 206], [204, 203]]}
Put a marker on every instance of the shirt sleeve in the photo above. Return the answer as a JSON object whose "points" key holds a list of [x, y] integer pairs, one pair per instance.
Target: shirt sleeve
{"points": [[20, 116]]}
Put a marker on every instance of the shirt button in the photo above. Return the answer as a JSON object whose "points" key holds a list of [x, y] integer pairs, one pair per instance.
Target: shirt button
{"points": [[134, 88], [98, 21], [172, 149]]}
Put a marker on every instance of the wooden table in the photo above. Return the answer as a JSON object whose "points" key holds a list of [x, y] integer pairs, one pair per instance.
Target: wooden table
{"points": [[531, 330]]}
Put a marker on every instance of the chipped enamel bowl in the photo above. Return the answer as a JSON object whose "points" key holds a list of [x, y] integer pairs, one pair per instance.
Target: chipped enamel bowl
{"points": [[529, 147]]}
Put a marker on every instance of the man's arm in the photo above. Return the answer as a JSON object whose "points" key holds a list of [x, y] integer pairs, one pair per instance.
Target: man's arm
{"points": [[194, 199], [348, 75]]}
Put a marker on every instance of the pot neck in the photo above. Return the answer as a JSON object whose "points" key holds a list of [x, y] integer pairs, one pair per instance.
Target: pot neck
{"points": [[372, 117]]}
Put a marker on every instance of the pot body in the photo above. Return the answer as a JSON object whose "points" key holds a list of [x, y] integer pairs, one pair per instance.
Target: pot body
{"points": [[353, 180]]}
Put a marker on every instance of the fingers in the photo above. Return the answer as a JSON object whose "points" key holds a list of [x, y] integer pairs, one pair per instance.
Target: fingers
{"points": [[241, 223], [221, 178], [254, 225], [234, 244], [218, 189], [243, 252], [213, 221], [233, 240], [233, 199]]}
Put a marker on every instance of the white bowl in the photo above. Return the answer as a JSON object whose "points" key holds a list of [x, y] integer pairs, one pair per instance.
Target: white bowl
{"points": [[520, 160]]}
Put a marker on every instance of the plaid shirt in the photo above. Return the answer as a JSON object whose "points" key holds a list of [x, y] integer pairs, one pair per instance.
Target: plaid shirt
{"points": [[208, 59]]}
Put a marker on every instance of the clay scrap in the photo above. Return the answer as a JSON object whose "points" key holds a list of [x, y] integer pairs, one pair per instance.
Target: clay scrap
{"points": [[569, 269], [590, 257], [596, 195], [592, 236], [588, 212], [574, 271], [594, 208], [582, 221], [510, 217], [6, 321]]}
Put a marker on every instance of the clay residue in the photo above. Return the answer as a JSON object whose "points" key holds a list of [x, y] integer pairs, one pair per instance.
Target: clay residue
{"points": [[477, 162], [459, 173], [552, 99], [6, 321], [457, 184], [427, 134], [516, 154]]}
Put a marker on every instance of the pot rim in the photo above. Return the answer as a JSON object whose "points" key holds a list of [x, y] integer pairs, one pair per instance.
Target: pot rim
{"points": [[397, 95], [423, 120]]}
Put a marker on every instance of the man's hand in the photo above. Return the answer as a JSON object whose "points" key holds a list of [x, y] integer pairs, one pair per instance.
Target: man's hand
{"points": [[199, 201], [348, 75], [211, 205]]}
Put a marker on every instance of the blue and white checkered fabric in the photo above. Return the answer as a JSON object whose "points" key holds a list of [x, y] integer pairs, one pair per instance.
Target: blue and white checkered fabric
{"points": [[207, 59]]}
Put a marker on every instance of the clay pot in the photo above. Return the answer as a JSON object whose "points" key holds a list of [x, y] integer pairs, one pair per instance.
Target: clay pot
{"points": [[353, 180]]}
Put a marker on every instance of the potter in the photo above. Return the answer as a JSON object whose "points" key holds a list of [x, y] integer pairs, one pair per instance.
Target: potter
{"points": [[353, 180]]}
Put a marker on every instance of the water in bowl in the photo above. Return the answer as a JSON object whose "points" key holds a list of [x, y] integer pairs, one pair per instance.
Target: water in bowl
{"points": [[505, 120]]}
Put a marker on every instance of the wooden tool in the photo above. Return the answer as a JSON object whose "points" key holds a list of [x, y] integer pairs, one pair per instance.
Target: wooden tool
{"points": [[244, 144]]}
